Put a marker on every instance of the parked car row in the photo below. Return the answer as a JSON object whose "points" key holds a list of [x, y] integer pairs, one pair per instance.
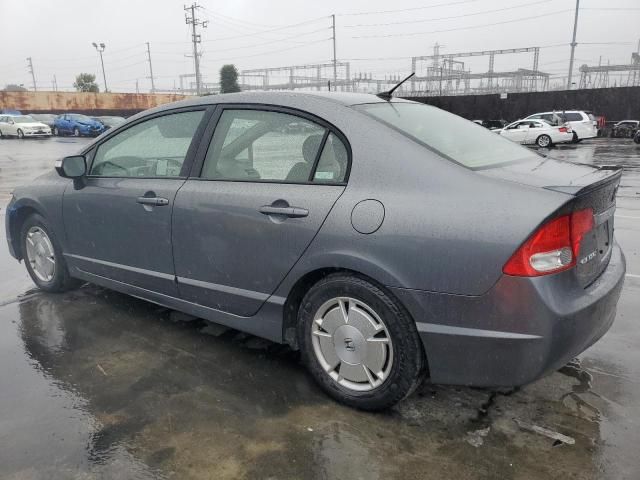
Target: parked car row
{"points": [[546, 129], [45, 124]]}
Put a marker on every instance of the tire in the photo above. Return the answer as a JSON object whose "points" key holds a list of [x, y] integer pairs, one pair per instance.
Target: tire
{"points": [[36, 228], [544, 141], [637, 138], [20, 134], [397, 355], [76, 132], [575, 138], [1, 134], [56, 132]]}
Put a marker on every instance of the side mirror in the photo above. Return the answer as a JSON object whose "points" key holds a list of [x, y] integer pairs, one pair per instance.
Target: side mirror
{"points": [[74, 166]]}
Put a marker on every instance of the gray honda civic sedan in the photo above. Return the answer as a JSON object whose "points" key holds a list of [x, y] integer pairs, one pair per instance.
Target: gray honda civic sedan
{"points": [[385, 239]]}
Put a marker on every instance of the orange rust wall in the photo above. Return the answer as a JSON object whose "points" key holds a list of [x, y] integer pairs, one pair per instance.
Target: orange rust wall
{"points": [[83, 102]]}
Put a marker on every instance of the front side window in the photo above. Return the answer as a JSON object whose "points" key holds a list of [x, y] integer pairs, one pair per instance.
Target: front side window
{"points": [[255, 145], [449, 135], [153, 148]]}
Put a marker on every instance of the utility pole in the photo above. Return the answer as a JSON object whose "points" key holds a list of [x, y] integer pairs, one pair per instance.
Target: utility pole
{"points": [[195, 38], [573, 45], [335, 63], [33, 75], [100, 48], [153, 85]]}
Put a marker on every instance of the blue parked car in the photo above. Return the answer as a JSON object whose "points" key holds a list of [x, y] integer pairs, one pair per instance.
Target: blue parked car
{"points": [[77, 125]]}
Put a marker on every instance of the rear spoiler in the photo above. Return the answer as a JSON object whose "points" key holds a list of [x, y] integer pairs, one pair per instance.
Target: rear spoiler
{"points": [[604, 179]]}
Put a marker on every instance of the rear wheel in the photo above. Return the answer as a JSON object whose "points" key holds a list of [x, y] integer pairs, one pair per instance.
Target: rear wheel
{"points": [[359, 344], [20, 134], [76, 132], [575, 138], [43, 257], [543, 141], [637, 138]]}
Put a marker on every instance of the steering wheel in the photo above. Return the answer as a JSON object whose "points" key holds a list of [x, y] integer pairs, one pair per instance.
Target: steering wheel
{"points": [[109, 162]]}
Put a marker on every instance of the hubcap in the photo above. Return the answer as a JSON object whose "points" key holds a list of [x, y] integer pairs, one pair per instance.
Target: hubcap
{"points": [[543, 142], [40, 254], [352, 344]]}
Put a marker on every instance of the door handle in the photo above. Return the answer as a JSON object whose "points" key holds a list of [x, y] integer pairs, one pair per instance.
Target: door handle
{"points": [[291, 212], [154, 201]]}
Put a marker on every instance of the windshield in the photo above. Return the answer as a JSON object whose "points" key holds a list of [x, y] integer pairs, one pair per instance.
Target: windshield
{"points": [[79, 118], [447, 134], [23, 119]]}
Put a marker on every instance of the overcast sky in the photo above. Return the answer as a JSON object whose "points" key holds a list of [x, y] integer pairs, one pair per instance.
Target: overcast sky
{"points": [[376, 36]]}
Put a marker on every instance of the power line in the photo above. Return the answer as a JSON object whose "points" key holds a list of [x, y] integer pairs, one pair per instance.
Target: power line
{"points": [[271, 51], [405, 22], [446, 4], [472, 27]]}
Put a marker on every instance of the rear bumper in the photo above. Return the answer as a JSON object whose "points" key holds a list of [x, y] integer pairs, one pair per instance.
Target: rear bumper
{"points": [[520, 330], [563, 137]]}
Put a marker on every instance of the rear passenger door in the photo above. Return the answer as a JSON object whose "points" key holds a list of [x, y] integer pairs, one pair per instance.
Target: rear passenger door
{"points": [[257, 197]]}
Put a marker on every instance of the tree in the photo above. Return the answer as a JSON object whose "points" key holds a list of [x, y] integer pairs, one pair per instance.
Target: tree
{"points": [[229, 79], [85, 82], [12, 87]]}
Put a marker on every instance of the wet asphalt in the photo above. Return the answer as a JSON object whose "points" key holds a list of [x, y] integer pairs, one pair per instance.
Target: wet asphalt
{"points": [[95, 384]]}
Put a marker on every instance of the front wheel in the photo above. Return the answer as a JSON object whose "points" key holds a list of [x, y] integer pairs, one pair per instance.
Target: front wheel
{"points": [[543, 141], [20, 134], [43, 257], [359, 344]]}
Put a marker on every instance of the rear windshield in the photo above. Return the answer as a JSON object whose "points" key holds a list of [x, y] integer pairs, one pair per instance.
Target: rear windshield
{"points": [[449, 135]]}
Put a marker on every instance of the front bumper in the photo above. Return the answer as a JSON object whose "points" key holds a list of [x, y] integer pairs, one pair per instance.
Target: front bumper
{"points": [[517, 332], [44, 133]]}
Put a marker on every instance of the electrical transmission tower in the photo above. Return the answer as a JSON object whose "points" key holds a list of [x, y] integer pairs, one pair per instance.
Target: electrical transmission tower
{"points": [[33, 75], [191, 19]]}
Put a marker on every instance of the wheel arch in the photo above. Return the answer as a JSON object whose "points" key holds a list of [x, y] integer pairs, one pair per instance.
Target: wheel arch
{"points": [[16, 218], [304, 283]]}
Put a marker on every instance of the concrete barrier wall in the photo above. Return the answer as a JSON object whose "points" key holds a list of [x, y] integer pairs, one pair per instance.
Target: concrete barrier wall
{"points": [[88, 103], [614, 103]]}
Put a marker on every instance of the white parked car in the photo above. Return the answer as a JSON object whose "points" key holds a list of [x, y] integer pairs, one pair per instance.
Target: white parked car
{"points": [[583, 123], [537, 132], [22, 126]]}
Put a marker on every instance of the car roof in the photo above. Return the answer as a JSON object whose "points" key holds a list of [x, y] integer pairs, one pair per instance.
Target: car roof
{"points": [[271, 98]]}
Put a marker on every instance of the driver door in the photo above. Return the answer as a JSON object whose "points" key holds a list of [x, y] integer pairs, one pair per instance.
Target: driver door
{"points": [[118, 218]]}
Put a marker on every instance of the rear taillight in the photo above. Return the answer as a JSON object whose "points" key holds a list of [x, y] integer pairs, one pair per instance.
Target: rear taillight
{"points": [[563, 129], [553, 247]]}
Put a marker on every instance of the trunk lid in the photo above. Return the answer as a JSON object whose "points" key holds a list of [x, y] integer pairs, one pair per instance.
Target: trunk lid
{"points": [[591, 187]]}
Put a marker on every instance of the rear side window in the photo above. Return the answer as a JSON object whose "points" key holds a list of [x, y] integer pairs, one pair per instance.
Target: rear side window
{"points": [[258, 145], [573, 116], [447, 134]]}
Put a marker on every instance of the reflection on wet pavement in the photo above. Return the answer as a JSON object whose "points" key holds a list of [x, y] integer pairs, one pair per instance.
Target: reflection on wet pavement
{"points": [[95, 384]]}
